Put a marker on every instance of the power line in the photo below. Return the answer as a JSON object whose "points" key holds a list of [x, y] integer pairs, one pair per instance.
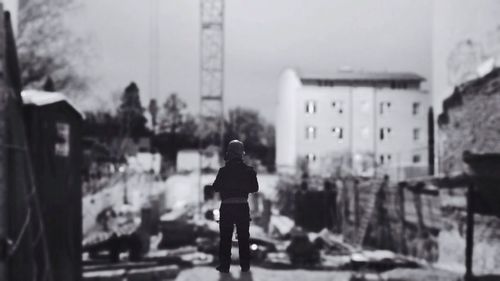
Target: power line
{"points": [[154, 40]]}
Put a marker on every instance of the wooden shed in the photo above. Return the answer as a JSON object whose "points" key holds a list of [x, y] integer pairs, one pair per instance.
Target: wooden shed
{"points": [[54, 133]]}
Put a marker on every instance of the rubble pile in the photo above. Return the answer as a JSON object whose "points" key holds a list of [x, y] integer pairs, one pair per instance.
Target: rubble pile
{"points": [[188, 236]]}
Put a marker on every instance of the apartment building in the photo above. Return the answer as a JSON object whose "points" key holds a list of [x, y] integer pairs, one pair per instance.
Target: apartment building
{"points": [[366, 123]]}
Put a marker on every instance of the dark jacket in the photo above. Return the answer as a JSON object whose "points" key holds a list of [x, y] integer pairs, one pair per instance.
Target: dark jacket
{"points": [[235, 180]]}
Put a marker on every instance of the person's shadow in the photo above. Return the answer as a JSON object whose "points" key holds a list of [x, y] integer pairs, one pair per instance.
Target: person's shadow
{"points": [[244, 276]]}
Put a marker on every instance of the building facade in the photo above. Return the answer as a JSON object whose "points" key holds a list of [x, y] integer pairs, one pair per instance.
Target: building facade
{"points": [[364, 123], [462, 43]]}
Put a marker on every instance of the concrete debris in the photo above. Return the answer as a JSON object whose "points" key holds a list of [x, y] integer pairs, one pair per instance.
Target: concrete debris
{"points": [[108, 275], [181, 212], [278, 260], [185, 239], [152, 274], [335, 262], [376, 255], [96, 237], [280, 226], [366, 276], [167, 272], [182, 251], [381, 260], [423, 274], [198, 258], [303, 253], [332, 243], [97, 267]]}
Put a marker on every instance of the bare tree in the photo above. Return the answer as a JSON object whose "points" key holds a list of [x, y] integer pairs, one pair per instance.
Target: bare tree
{"points": [[47, 46], [173, 115]]}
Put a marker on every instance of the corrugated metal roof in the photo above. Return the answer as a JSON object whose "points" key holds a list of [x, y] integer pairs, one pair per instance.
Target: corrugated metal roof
{"points": [[365, 76]]}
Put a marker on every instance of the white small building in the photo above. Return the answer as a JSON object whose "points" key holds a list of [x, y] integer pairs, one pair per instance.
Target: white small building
{"points": [[145, 162], [188, 160], [367, 123]]}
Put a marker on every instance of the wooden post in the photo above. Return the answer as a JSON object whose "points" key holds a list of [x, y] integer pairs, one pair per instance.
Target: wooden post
{"points": [[401, 195], [357, 215], [417, 197], [469, 239], [266, 215], [4, 212]]}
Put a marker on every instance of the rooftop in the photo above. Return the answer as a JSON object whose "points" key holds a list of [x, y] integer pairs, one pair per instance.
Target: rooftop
{"points": [[41, 98], [469, 88], [366, 76]]}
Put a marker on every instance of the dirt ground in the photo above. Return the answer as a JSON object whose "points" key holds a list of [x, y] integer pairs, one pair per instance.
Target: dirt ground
{"points": [[261, 274]]}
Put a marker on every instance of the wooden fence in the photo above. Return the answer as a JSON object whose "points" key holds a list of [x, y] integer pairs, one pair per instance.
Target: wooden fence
{"points": [[398, 217]]}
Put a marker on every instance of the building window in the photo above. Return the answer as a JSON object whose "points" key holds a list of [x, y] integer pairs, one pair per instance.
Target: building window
{"points": [[338, 106], [310, 132], [310, 107], [311, 157], [385, 133], [416, 134], [415, 108], [399, 85], [338, 132], [416, 158], [385, 106], [385, 158]]}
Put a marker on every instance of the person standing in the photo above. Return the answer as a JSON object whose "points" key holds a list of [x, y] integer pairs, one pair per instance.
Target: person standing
{"points": [[234, 182]]}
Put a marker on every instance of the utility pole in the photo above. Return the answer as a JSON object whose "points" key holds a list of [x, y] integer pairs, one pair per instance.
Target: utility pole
{"points": [[4, 212], [351, 129], [375, 133], [469, 234], [154, 54]]}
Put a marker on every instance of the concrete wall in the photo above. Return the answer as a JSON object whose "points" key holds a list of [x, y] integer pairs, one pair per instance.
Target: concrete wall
{"points": [[465, 33], [285, 122], [470, 122]]}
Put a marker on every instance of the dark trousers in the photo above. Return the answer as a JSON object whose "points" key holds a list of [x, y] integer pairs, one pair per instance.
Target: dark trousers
{"points": [[230, 215]]}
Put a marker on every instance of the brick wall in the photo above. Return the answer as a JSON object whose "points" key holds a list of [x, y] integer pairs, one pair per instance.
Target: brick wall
{"points": [[470, 121]]}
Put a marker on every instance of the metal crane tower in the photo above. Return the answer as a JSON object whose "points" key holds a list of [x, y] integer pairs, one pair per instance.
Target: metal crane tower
{"points": [[212, 68], [211, 80]]}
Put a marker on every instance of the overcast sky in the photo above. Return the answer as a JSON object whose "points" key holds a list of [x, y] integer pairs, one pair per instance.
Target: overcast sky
{"points": [[262, 38]]}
